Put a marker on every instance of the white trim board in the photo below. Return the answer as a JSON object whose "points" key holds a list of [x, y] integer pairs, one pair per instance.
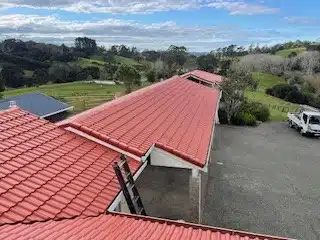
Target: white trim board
{"points": [[96, 140], [56, 112], [160, 157]]}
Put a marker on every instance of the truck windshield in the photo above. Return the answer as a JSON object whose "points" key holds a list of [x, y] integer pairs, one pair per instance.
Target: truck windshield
{"points": [[314, 120]]}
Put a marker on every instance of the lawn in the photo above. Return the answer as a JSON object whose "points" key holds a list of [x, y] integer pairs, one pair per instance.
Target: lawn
{"points": [[78, 94], [285, 53], [87, 62], [124, 60], [28, 73], [278, 107]]}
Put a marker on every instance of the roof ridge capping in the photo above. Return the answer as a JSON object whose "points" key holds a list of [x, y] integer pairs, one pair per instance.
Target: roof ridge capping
{"points": [[115, 101], [11, 110]]}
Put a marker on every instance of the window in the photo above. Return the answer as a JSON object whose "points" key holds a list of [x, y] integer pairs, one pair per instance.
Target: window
{"points": [[305, 118], [315, 120]]}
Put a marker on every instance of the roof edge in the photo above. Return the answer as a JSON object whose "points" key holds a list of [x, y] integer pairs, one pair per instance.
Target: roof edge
{"points": [[115, 101], [9, 110], [180, 154], [198, 226]]}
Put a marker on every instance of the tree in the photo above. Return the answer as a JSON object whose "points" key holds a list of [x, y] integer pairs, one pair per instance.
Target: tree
{"points": [[12, 75], [2, 81], [151, 76], [233, 89], [87, 45], [128, 75], [108, 72], [175, 56], [208, 63], [40, 76], [66, 72]]}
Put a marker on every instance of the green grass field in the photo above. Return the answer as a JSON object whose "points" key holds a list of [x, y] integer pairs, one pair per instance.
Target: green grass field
{"points": [[28, 73], [124, 60], [81, 95], [87, 62], [285, 53], [278, 107]]}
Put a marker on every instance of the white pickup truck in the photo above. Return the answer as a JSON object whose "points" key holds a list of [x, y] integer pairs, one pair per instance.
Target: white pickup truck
{"points": [[307, 121]]}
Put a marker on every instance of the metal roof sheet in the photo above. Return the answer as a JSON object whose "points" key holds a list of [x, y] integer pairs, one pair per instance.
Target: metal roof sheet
{"points": [[176, 115], [50, 173], [36, 103]]}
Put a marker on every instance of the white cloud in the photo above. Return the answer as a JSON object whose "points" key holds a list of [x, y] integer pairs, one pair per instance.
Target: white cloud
{"points": [[302, 20], [153, 36], [243, 8], [140, 6]]}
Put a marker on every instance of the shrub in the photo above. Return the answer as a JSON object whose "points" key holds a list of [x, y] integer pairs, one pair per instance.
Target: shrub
{"points": [[298, 97], [238, 119], [258, 110], [151, 76], [290, 93], [222, 116], [269, 91], [244, 119], [282, 90], [296, 80], [249, 119]]}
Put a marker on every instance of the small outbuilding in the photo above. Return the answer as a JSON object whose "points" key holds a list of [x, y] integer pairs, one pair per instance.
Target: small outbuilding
{"points": [[44, 106]]}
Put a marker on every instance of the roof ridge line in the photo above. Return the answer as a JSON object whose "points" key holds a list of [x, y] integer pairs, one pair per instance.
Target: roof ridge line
{"points": [[9, 110], [115, 101]]}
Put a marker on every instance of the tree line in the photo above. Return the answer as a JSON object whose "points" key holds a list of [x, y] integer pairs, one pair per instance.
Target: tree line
{"points": [[58, 64]]}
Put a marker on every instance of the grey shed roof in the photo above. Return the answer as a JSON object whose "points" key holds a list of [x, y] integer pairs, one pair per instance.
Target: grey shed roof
{"points": [[36, 103]]}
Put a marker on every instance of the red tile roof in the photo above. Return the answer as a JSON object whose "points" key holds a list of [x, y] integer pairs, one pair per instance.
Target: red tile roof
{"points": [[50, 173], [122, 227], [176, 115], [209, 77]]}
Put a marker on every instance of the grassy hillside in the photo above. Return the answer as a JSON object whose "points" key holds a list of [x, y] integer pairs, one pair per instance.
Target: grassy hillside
{"points": [[278, 107], [124, 60], [78, 94], [286, 52], [28, 73], [87, 62]]}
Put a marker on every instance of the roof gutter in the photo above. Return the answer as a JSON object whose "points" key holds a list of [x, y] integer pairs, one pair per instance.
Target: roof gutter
{"points": [[56, 112]]}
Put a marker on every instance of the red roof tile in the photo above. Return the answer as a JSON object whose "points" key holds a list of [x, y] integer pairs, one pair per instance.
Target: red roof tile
{"points": [[122, 227], [175, 115], [50, 173], [209, 77]]}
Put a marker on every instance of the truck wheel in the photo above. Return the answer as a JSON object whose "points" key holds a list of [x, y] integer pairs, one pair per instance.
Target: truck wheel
{"points": [[302, 133], [290, 124]]}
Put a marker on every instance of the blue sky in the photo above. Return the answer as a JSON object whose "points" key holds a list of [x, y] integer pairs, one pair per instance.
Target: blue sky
{"points": [[200, 25]]}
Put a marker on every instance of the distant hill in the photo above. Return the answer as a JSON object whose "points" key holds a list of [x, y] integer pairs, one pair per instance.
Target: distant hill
{"points": [[286, 52], [198, 53]]}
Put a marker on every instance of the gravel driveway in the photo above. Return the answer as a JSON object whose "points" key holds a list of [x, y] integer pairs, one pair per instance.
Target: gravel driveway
{"points": [[265, 179]]}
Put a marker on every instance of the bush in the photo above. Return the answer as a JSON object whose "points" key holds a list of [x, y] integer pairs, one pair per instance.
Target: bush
{"points": [[282, 90], [151, 76], [290, 93], [223, 116], [244, 119], [258, 110], [249, 119], [269, 91], [296, 80]]}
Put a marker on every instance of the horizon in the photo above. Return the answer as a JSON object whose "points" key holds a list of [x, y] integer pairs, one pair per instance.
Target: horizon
{"points": [[201, 25]]}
